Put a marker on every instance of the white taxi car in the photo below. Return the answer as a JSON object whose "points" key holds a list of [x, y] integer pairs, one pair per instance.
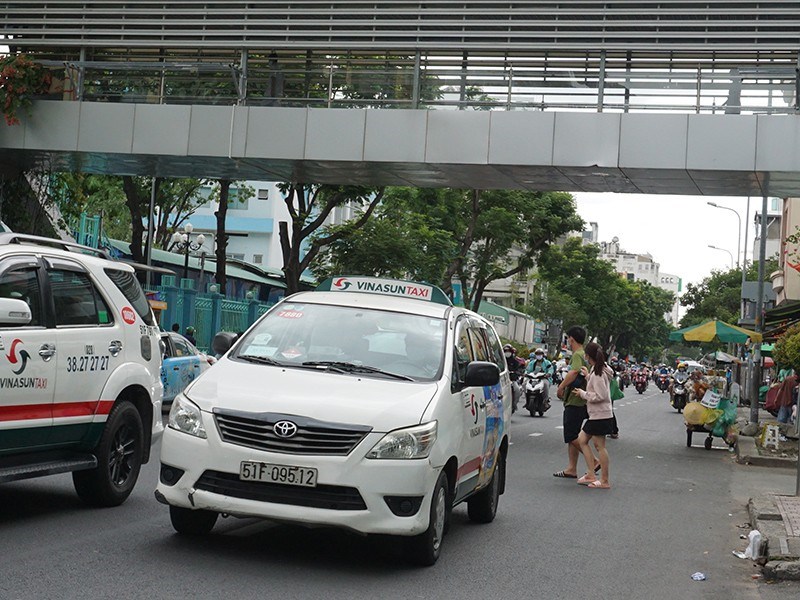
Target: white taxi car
{"points": [[373, 405], [80, 389]]}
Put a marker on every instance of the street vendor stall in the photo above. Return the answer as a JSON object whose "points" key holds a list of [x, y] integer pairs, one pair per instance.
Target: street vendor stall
{"points": [[711, 413]]}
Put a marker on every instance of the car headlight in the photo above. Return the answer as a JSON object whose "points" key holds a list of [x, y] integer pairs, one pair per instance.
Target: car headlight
{"points": [[185, 416], [412, 442]]}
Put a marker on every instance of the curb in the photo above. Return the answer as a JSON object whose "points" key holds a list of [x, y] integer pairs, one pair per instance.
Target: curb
{"points": [[765, 516], [747, 454]]}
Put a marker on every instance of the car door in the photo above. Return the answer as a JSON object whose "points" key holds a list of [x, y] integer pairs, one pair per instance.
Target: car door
{"points": [[487, 348], [473, 408], [183, 366], [27, 366], [89, 348]]}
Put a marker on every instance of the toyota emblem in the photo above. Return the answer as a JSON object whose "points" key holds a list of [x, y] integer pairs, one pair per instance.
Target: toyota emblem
{"points": [[285, 429]]}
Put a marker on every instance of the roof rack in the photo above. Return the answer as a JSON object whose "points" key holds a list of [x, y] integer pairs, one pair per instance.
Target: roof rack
{"points": [[21, 238]]}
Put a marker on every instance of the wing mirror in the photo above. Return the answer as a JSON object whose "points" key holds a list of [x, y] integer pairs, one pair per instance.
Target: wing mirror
{"points": [[14, 312], [481, 373]]}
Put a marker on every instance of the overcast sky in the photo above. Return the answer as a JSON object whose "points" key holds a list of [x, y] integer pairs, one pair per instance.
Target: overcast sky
{"points": [[675, 230]]}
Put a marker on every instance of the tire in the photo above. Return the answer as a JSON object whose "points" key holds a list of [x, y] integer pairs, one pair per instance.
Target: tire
{"points": [[541, 413], [424, 549], [688, 438], [707, 443], [119, 459], [482, 507], [192, 522]]}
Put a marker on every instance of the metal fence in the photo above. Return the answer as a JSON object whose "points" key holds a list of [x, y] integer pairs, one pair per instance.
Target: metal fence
{"points": [[601, 81], [207, 313]]}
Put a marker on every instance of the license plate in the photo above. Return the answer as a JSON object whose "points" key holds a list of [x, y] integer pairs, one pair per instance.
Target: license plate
{"points": [[287, 475]]}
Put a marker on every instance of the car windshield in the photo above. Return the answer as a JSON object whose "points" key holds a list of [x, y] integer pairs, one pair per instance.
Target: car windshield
{"points": [[331, 338]]}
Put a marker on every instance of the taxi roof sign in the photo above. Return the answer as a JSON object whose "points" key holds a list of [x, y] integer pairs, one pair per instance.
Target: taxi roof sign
{"points": [[386, 287]]}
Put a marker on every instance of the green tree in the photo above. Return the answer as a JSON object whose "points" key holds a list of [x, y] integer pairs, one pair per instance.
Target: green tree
{"points": [[718, 296], [394, 243], [309, 207], [583, 289]]}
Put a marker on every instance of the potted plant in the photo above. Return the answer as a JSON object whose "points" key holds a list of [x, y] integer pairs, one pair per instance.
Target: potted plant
{"points": [[21, 79]]}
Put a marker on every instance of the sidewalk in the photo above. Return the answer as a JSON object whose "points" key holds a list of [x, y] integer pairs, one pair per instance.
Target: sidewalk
{"points": [[776, 516]]}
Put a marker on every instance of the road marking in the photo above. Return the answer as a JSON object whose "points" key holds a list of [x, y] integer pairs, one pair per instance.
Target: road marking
{"points": [[535, 434], [559, 427]]}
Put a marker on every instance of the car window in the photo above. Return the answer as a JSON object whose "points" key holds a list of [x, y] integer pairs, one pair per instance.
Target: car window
{"points": [[478, 344], [181, 347], [495, 349], [22, 283], [463, 352], [127, 284], [76, 300], [294, 333]]}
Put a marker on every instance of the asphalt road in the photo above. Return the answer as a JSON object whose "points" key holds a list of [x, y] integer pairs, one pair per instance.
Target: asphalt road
{"points": [[672, 511]]}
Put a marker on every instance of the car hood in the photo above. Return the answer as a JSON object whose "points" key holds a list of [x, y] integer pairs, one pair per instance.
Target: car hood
{"points": [[383, 404]]}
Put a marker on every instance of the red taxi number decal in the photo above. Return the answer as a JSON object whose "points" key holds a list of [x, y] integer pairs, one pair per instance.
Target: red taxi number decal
{"points": [[290, 314], [128, 315]]}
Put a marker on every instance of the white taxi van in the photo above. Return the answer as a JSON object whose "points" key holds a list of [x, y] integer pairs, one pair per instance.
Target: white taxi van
{"points": [[80, 386], [369, 404]]}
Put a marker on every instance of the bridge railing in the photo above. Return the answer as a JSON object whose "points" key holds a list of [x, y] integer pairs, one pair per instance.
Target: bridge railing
{"points": [[597, 82]]}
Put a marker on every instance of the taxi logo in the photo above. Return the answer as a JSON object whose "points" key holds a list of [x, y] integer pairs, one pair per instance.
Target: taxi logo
{"points": [[15, 357], [285, 429], [342, 284], [128, 315]]}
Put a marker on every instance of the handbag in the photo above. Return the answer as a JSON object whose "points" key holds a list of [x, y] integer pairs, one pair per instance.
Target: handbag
{"points": [[616, 393]]}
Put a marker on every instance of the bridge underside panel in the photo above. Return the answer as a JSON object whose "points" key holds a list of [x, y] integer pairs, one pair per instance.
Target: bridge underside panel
{"points": [[714, 155]]}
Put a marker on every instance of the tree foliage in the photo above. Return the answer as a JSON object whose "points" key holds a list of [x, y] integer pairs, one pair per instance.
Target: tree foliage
{"points": [[786, 352], [718, 296], [583, 289], [309, 206], [438, 235]]}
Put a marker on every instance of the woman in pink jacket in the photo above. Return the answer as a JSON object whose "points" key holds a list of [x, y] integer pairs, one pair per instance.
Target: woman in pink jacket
{"points": [[601, 418]]}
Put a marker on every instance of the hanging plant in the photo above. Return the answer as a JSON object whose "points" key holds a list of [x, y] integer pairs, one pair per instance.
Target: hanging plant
{"points": [[20, 80]]}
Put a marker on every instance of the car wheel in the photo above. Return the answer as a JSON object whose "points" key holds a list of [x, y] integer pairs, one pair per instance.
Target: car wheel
{"points": [[424, 549], [119, 457], [482, 507], [192, 522]]}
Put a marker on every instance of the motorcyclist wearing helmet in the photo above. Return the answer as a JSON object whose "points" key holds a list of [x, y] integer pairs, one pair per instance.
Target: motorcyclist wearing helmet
{"points": [[516, 367], [538, 363]]}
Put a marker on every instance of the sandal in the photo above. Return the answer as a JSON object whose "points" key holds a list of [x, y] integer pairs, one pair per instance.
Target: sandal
{"points": [[599, 485], [565, 475], [585, 480]]}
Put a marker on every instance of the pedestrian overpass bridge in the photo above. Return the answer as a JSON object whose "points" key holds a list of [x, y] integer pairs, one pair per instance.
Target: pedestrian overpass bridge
{"points": [[662, 96]]}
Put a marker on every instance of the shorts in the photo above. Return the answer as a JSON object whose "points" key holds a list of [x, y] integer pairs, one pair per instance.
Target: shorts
{"points": [[574, 416], [599, 427]]}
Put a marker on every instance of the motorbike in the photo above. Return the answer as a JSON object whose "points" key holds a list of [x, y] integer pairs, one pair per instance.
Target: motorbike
{"points": [[625, 380], [559, 374], [680, 393], [640, 382], [663, 382], [536, 394]]}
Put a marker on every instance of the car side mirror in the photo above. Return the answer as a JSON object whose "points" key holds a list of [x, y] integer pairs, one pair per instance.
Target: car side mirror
{"points": [[14, 312], [223, 342], [481, 373]]}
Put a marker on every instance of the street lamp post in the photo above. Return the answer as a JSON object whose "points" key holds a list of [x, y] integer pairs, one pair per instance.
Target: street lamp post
{"points": [[739, 240], [724, 250], [183, 242]]}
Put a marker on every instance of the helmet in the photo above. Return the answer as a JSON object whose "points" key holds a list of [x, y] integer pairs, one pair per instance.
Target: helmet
{"points": [[682, 365], [509, 348], [190, 330]]}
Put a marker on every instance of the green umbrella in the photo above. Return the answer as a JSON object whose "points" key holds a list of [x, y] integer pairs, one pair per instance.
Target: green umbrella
{"points": [[714, 330]]}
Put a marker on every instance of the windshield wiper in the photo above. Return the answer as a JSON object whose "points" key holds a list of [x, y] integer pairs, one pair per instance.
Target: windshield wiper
{"points": [[347, 367], [264, 360]]}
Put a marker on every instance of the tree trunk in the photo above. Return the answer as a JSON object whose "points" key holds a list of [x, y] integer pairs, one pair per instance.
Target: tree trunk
{"points": [[291, 259], [222, 237], [134, 204]]}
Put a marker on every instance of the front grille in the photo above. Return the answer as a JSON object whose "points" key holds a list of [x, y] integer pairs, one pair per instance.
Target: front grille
{"points": [[256, 430], [332, 497]]}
